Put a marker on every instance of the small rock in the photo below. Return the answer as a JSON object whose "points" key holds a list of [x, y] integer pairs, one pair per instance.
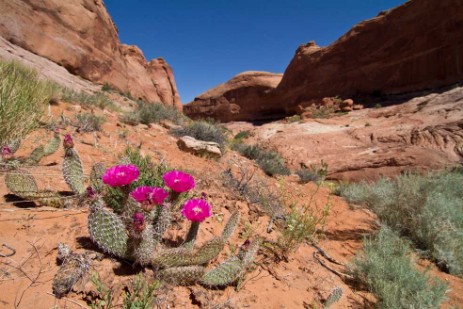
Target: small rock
{"points": [[197, 147], [357, 107], [346, 109], [168, 124]]}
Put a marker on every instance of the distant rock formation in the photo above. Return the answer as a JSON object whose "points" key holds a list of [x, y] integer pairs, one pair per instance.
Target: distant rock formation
{"points": [[416, 46], [238, 99], [80, 36]]}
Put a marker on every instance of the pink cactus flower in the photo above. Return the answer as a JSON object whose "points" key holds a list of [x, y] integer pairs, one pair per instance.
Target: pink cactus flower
{"points": [[196, 210], [158, 195], [121, 175], [178, 181], [138, 221], [6, 153], [141, 194], [68, 142]]}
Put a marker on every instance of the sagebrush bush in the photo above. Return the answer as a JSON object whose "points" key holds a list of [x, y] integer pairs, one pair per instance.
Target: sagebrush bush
{"points": [[204, 131], [88, 122], [427, 209], [385, 268], [270, 161], [147, 113], [23, 99]]}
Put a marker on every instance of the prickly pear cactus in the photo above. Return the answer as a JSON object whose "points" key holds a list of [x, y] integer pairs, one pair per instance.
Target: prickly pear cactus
{"points": [[186, 275], [334, 297], [72, 167]]}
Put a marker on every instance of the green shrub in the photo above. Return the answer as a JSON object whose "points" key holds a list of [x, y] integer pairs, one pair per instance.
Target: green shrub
{"points": [[147, 113], [204, 131], [270, 161], [427, 209], [387, 271], [242, 135], [315, 173], [294, 118], [88, 122], [23, 99]]}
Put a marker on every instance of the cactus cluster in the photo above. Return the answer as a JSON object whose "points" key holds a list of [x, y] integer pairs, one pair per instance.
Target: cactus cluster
{"points": [[136, 232], [22, 183]]}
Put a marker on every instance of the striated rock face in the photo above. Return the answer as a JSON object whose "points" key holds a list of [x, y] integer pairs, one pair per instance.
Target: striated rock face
{"points": [[80, 36], [238, 99], [416, 46], [425, 133]]}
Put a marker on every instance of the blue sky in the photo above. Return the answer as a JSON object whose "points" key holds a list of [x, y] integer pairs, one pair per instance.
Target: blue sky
{"points": [[207, 42]]}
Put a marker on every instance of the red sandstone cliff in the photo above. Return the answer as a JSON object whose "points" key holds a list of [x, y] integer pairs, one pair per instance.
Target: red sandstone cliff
{"points": [[80, 35], [237, 99], [416, 46]]}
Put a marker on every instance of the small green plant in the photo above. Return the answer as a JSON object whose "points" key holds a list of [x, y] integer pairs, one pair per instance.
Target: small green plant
{"points": [[386, 270], [270, 161], [105, 294], [315, 172], [243, 135], [302, 224], [139, 295], [106, 87], [294, 118], [378, 105], [88, 122], [204, 131], [147, 113], [323, 112], [23, 99]]}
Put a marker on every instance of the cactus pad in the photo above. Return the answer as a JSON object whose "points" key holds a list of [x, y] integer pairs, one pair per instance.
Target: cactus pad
{"points": [[97, 172], [224, 274], [108, 231], [73, 171], [182, 275], [53, 145], [73, 268], [19, 181], [36, 155], [231, 225]]}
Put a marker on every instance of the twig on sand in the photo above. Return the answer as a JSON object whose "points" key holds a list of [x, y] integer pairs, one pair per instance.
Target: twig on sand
{"points": [[69, 300]]}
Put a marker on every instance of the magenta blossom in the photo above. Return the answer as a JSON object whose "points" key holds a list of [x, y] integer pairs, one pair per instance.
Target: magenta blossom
{"points": [[158, 195], [178, 181], [150, 195], [196, 210], [68, 142], [138, 221], [121, 175], [6, 153], [141, 194]]}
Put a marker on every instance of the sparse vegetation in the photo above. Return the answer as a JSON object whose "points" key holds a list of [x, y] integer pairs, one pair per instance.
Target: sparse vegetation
{"points": [[323, 112], [98, 99], [147, 113], [294, 118], [427, 209], [315, 172], [242, 135], [88, 122], [270, 161], [386, 270], [23, 99], [204, 131]]}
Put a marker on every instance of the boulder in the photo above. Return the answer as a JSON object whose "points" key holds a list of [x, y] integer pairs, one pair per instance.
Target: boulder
{"points": [[200, 148]]}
